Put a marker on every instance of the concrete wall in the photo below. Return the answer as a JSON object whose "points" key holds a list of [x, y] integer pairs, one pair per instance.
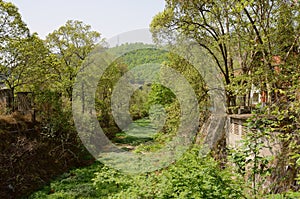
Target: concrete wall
{"points": [[236, 129]]}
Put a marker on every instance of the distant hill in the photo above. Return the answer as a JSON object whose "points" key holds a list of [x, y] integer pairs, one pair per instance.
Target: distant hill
{"points": [[139, 54]]}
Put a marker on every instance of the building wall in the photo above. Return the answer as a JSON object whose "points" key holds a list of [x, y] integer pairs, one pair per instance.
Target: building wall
{"points": [[236, 129]]}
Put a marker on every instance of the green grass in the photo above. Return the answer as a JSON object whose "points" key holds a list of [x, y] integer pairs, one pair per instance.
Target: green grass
{"points": [[140, 132], [123, 138]]}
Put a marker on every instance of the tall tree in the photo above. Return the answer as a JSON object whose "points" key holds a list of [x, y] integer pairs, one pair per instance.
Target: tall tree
{"points": [[12, 30], [71, 43], [207, 22], [24, 63], [11, 23], [239, 35]]}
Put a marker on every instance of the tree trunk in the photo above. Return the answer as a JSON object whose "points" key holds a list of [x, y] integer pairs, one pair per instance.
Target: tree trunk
{"points": [[12, 100]]}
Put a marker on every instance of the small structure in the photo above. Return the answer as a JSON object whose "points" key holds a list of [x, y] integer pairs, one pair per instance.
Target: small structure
{"points": [[236, 128], [24, 102], [5, 100]]}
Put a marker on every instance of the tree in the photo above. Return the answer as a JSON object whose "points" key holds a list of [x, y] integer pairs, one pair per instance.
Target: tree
{"points": [[11, 28], [19, 51], [207, 22], [241, 36], [11, 23], [71, 44], [253, 43], [24, 63]]}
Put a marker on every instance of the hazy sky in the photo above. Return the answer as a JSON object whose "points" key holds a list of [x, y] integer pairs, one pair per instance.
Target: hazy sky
{"points": [[109, 17]]}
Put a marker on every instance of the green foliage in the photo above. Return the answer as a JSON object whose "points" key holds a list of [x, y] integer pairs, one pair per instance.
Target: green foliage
{"points": [[138, 104], [75, 184], [103, 98], [24, 63], [161, 95], [248, 158], [140, 54], [146, 55], [12, 25], [16, 47], [55, 118], [279, 134], [165, 97], [288, 195], [133, 136], [191, 177], [242, 36], [71, 43], [253, 43]]}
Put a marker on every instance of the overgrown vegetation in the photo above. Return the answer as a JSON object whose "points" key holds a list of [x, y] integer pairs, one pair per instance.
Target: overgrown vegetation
{"points": [[192, 176], [254, 45]]}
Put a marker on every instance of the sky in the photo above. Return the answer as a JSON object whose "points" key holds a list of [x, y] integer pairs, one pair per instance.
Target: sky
{"points": [[109, 17]]}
